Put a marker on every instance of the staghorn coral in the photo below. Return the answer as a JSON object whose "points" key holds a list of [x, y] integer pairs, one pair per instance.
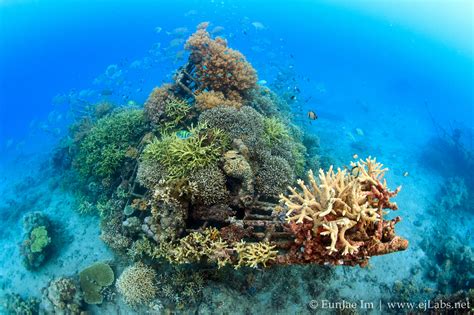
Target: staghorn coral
{"points": [[255, 254], [207, 100], [137, 284], [103, 151], [220, 68], [210, 185], [275, 131], [200, 246], [180, 157], [340, 220], [93, 280], [273, 176]]}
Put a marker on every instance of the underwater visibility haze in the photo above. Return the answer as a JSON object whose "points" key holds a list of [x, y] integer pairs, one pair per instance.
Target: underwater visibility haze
{"points": [[236, 157]]}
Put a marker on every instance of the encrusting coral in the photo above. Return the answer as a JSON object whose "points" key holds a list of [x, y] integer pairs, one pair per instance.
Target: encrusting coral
{"points": [[339, 219]]}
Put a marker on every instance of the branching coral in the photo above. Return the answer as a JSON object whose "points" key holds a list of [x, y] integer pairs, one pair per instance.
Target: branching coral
{"points": [[198, 246], [275, 131], [180, 157], [341, 216], [137, 284], [255, 254], [220, 68], [104, 149]]}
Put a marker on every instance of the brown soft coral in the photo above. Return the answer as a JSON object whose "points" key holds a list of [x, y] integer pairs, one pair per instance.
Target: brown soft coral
{"points": [[339, 218], [219, 68], [207, 100]]}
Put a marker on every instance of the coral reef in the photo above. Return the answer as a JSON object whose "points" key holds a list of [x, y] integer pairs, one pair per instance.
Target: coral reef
{"points": [[94, 279], [340, 220], [35, 248], [64, 297], [137, 284], [195, 178]]}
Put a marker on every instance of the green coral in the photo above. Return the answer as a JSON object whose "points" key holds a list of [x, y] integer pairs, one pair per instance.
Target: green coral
{"points": [[103, 150], [93, 279], [180, 157], [175, 111], [275, 131], [39, 239]]}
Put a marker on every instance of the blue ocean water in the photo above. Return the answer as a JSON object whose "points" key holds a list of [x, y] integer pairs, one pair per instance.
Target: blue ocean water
{"points": [[386, 79]]}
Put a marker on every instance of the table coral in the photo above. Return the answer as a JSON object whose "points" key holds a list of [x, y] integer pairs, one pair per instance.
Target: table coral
{"points": [[93, 280], [339, 218]]}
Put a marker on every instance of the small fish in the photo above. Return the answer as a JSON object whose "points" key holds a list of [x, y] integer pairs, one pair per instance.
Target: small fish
{"points": [[297, 89], [293, 97], [355, 171], [312, 115], [262, 82], [405, 174], [106, 92], [258, 26], [158, 29], [355, 156], [183, 134]]}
